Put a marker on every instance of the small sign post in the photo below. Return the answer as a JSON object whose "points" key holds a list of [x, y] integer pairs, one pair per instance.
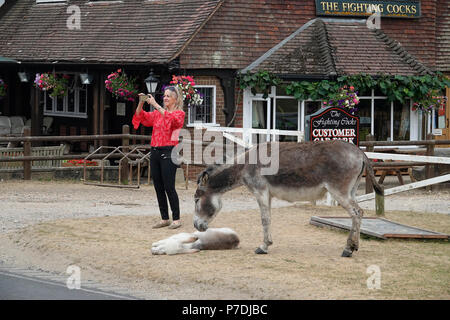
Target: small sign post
{"points": [[332, 123]]}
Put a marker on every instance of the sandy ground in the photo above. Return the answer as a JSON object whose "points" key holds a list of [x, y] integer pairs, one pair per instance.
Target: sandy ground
{"points": [[107, 233]]}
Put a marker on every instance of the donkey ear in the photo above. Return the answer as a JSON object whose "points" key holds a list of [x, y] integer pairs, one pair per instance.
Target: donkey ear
{"points": [[202, 178]]}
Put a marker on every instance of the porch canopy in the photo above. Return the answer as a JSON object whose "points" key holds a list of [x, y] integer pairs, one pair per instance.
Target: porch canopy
{"points": [[326, 48], [104, 32]]}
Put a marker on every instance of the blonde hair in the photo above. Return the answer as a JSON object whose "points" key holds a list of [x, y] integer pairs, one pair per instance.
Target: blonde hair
{"points": [[179, 97]]}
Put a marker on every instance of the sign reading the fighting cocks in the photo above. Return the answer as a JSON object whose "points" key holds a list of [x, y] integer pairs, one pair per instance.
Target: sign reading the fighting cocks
{"points": [[332, 124]]}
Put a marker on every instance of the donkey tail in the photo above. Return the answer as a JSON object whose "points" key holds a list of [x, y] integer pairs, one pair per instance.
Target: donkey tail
{"points": [[369, 171]]}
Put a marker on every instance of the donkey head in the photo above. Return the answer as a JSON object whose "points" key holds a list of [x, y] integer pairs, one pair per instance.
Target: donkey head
{"points": [[207, 201]]}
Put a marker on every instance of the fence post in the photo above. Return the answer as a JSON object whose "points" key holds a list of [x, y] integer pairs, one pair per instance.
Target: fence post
{"points": [[369, 148], [429, 168], [125, 143], [27, 153], [379, 204]]}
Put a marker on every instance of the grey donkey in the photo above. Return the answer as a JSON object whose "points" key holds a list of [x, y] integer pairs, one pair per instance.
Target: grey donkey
{"points": [[306, 172]]}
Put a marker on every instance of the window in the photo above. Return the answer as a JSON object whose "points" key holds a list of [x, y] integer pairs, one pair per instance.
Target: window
{"points": [[206, 112], [74, 104], [387, 121]]}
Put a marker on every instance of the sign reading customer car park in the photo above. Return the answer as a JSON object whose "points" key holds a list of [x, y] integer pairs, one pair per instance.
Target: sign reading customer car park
{"points": [[332, 124], [357, 8]]}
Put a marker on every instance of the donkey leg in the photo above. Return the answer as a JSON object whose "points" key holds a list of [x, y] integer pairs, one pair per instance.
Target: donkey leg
{"points": [[356, 214], [264, 202]]}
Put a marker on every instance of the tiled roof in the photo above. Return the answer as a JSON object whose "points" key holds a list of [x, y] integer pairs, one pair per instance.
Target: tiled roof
{"points": [[443, 37], [131, 31], [242, 30], [330, 46]]}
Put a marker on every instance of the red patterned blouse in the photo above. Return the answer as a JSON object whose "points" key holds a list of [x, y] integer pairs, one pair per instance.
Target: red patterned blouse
{"points": [[166, 128]]}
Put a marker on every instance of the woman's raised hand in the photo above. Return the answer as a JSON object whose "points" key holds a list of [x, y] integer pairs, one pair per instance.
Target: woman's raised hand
{"points": [[150, 100]]}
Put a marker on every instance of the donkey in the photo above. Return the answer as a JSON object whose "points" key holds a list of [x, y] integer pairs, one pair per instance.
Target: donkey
{"points": [[211, 239], [306, 172]]}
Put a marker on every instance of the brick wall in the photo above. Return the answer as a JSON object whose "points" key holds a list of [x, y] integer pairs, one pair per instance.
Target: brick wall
{"points": [[195, 169], [242, 30], [417, 36]]}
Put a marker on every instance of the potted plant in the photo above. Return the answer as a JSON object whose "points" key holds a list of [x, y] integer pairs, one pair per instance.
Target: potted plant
{"points": [[56, 85], [121, 86], [345, 98], [432, 101], [186, 84]]}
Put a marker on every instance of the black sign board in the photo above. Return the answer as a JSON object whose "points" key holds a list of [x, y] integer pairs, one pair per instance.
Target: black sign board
{"points": [[358, 8], [332, 124]]}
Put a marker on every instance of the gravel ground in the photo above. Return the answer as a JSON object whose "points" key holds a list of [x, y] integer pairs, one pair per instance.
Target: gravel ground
{"points": [[47, 226], [27, 203]]}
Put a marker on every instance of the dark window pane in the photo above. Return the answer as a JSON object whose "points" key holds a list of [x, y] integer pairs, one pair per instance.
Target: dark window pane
{"points": [[382, 125], [365, 120], [59, 103], [401, 121], [204, 112], [312, 107], [287, 117], [71, 101]]}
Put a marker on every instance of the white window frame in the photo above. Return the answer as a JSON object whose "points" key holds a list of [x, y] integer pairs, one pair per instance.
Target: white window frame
{"points": [[213, 108], [65, 113], [248, 97]]}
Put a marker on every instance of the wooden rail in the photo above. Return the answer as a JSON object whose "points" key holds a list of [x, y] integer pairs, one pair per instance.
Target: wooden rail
{"points": [[27, 139]]}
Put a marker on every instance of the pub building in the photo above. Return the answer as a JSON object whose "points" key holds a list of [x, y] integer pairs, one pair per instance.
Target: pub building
{"points": [[215, 41]]}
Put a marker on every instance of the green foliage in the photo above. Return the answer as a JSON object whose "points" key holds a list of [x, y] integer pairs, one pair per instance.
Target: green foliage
{"points": [[395, 88], [261, 81]]}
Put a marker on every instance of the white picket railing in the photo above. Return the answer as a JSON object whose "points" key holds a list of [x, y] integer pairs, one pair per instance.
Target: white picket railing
{"points": [[246, 140], [410, 186]]}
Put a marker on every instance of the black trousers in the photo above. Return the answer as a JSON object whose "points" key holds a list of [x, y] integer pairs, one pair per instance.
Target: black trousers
{"points": [[163, 172]]}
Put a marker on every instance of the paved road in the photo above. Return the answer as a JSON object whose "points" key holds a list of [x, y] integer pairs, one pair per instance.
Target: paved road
{"points": [[20, 287]]}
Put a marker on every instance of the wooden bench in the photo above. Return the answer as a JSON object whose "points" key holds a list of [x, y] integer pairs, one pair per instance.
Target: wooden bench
{"points": [[35, 151], [398, 171]]}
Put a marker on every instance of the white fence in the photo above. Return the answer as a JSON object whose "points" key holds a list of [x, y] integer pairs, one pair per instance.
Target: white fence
{"points": [[410, 186], [246, 133]]}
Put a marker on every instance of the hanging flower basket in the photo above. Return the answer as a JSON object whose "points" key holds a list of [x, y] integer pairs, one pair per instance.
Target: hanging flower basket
{"points": [[121, 86], [431, 102], [56, 85], [345, 98], [3, 87], [191, 96]]}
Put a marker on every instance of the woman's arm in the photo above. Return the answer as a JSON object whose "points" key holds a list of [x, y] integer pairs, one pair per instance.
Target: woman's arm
{"points": [[142, 117], [151, 101]]}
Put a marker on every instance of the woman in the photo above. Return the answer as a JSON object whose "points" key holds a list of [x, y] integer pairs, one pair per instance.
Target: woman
{"points": [[166, 123]]}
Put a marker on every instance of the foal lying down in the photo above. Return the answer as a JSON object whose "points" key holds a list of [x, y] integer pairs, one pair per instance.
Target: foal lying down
{"points": [[211, 239]]}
